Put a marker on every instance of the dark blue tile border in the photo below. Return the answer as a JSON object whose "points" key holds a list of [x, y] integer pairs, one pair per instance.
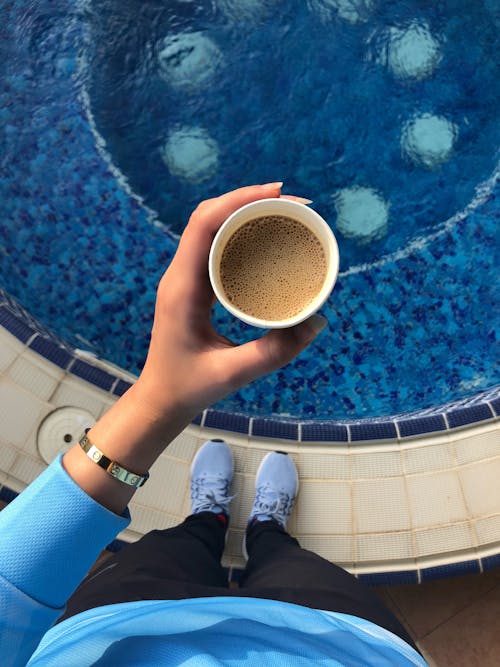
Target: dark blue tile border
{"points": [[324, 432], [495, 404], [373, 431], [17, 328], [96, 376], [383, 578], [227, 421], [409, 427], [116, 545], [51, 351], [7, 495], [490, 562], [468, 415], [121, 387], [271, 428], [451, 570], [235, 575]]}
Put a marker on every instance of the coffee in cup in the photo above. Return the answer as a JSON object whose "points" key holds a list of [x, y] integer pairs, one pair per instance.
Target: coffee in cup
{"points": [[273, 263]]}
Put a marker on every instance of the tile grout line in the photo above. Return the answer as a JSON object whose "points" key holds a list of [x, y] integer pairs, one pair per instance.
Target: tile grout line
{"points": [[410, 514], [470, 522]]}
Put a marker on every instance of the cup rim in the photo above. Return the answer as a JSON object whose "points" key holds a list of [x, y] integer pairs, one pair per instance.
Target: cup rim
{"points": [[328, 285]]}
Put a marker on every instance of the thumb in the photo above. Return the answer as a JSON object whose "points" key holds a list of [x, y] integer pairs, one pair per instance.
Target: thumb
{"points": [[274, 350]]}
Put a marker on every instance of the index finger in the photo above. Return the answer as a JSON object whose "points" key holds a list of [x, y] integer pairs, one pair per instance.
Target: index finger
{"points": [[194, 247]]}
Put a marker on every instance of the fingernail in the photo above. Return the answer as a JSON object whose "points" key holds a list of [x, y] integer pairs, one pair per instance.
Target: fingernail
{"points": [[279, 184], [301, 200], [317, 323]]}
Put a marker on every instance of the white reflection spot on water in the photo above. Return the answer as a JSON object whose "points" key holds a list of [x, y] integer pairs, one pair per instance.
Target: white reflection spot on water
{"points": [[191, 154], [352, 11], [428, 140], [412, 52], [362, 214], [188, 60], [246, 10]]}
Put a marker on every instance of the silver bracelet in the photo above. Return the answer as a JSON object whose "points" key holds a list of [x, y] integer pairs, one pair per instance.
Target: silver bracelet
{"points": [[111, 467]]}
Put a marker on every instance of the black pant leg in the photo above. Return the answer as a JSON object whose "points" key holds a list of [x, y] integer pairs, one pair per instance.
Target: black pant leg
{"points": [[175, 563], [279, 568]]}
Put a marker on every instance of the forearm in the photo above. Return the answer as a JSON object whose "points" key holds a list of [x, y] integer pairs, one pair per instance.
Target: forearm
{"points": [[133, 434]]}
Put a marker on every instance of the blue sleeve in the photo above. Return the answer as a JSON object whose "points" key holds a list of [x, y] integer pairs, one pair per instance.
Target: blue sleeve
{"points": [[50, 536]]}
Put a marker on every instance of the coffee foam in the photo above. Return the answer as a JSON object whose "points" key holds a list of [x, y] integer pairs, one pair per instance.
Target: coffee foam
{"points": [[272, 267]]}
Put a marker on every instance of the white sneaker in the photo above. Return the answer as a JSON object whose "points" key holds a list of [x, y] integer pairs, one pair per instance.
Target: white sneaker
{"points": [[276, 486], [211, 475]]}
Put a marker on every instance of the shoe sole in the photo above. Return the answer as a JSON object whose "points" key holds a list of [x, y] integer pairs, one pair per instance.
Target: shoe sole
{"points": [[244, 546]]}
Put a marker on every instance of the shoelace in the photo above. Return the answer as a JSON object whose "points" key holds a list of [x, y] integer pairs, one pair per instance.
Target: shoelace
{"points": [[276, 504], [207, 492]]}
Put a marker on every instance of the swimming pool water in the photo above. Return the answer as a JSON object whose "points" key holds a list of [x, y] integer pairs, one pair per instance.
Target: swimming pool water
{"points": [[387, 120], [406, 132]]}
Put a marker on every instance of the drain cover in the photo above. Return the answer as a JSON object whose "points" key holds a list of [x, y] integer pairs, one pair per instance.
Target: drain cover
{"points": [[61, 430]]}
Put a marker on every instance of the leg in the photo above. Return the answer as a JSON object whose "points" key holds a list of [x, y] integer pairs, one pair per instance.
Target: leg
{"points": [[181, 562], [170, 564], [279, 568]]}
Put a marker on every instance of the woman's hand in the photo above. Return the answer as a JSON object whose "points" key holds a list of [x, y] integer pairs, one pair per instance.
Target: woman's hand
{"points": [[189, 364]]}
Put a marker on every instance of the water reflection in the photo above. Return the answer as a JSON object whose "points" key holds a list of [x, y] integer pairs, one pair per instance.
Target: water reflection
{"points": [[191, 154], [246, 10], [411, 52], [362, 214], [352, 11], [188, 60], [428, 140]]}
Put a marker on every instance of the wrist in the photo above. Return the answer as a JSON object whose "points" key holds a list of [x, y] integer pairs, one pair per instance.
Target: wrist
{"points": [[133, 433], [160, 401]]}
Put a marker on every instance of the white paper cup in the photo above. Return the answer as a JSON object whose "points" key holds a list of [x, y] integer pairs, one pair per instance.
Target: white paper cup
{"points": [[290, 209]]}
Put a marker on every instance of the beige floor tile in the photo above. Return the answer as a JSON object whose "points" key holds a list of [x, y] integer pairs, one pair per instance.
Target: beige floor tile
{"points": [[471, 638]]}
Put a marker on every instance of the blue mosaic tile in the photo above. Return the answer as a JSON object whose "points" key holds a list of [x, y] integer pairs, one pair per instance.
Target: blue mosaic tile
{"points": [[15, 326], [227, 421], [470, 415], [52, 351], [373, 431], [272, 428], [121, 387], [384, 578], [451, 570], [409, 427], [495, 404], [7, 495], [490, 562], [324, 432], [96, 376]]}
